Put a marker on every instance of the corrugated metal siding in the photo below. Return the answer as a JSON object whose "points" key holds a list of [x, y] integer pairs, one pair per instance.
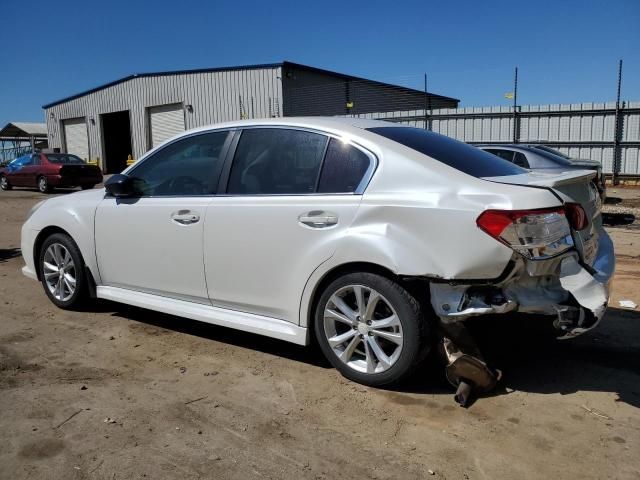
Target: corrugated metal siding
{"points": [[215, 97], [584, 130]]}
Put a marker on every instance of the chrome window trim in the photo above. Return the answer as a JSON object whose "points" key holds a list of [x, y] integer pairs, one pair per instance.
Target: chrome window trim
{"points": [[362, 186]]}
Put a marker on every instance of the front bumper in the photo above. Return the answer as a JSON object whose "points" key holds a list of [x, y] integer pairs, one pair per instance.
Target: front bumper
{"points": [[575, 293]]}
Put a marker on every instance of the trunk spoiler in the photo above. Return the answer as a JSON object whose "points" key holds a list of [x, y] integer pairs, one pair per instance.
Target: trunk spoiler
{"points": [[540, 179]]}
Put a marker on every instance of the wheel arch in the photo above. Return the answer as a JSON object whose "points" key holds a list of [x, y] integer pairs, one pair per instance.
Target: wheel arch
{"points": [[37, 246], [417, 286]]}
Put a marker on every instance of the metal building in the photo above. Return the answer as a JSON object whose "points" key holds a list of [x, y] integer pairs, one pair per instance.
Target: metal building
{"points": [[132, 115]]}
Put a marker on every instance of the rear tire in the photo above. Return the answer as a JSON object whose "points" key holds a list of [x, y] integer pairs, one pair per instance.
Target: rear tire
{"points": [[62, 271], [4, 183], [43, 184], [371, 329]]}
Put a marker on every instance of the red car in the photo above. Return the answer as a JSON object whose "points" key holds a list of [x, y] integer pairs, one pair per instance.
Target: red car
{"points": [[49, 170]]}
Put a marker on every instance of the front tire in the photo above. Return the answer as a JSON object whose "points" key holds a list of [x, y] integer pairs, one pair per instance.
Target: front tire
{"points": [[87, 187], [371, 329], [43, 185], [4, 183], [62, 271]]}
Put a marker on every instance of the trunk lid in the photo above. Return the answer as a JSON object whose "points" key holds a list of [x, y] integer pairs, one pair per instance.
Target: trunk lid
{"points": [[574, 186]]}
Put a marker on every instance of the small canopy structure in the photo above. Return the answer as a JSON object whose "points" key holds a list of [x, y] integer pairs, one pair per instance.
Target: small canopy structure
{"points": [[17, 138]]}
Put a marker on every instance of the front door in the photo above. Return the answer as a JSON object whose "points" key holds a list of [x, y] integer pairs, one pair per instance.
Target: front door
{"points": [[291, 195], [153, 242]]}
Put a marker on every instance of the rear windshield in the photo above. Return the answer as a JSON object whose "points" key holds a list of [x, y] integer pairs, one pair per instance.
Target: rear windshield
{"points": [[63, 158], [456, 154], [553, 155]]}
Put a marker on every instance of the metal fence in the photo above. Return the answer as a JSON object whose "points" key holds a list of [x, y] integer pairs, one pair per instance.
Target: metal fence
{"points": [[583, 130]]}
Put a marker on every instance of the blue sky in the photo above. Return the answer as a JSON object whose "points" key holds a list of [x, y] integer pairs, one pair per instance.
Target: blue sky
{"points": [[566, 51]]}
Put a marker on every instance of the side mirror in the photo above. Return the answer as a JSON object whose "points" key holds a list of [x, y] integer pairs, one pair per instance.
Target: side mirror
{"points": [[119, 186]]}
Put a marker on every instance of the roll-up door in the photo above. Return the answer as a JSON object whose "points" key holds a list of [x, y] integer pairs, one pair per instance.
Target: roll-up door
{"points": [[165, 121], [76, 138]]}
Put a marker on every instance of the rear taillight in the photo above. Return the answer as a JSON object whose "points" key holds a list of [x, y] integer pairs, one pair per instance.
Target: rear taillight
{"points": [[536, 234], [576, 215]]}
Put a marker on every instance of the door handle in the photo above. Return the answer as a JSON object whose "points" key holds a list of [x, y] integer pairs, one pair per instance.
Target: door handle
{"points": [[318, 219], [185, 217]]}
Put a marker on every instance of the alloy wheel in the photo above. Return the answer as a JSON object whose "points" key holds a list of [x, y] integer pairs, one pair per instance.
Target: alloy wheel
{"points": [[4, 183], [59, 272], [42, 184], [363, 329]]}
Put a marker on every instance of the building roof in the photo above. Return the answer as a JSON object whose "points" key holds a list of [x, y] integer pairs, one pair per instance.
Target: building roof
{"points": [[24, 130], [226, 69]]}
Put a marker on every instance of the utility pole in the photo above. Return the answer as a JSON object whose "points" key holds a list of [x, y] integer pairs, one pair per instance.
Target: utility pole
{"points": [[617, 154], [426, 104], [515, 107]]}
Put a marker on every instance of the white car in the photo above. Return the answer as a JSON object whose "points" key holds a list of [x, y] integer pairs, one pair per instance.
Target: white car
{"points": [[358, 235]]}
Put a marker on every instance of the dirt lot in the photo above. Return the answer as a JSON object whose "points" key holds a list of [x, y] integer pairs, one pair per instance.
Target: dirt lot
{"points": [[188, 400]]}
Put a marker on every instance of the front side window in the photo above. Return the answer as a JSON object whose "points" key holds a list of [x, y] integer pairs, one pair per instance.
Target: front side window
{"points": [[35, 159], [520, 159], [343, 169], [187, 167], [276, 161]]}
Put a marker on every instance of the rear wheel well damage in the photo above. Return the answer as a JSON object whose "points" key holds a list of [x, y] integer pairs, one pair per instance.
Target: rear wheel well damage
{"points": [[418, 287]]}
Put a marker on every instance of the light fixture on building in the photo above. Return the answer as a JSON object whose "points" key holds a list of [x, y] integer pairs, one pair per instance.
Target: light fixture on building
{"points": [[92, 120], [189, 108], [53, 115]]}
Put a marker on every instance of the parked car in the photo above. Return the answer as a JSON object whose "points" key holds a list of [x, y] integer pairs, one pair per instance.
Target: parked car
{"points": [[45, 171], [541, 157], [359, 235]]}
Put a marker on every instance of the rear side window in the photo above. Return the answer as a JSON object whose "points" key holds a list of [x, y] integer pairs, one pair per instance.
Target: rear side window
{"points": [[506, 154], [276, 161], [520, 159], [456, 154], [343, 169]]}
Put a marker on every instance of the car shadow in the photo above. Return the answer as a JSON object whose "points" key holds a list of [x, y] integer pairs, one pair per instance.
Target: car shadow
{"points": [[272, 346], [7, 254], [604, 360]]}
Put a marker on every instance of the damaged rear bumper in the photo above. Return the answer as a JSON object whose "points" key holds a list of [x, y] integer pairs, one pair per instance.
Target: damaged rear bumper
{"points": [[575, 293]]}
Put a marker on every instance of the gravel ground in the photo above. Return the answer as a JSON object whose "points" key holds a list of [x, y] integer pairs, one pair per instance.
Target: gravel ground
{"points": [[117, 392]]}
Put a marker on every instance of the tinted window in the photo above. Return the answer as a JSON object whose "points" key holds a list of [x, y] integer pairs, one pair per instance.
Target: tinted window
{"points": [[552, 151], [506, 154], [64, 158], [458, 155], [190, 166], [520, 159], [276, 161], [343, 168]]}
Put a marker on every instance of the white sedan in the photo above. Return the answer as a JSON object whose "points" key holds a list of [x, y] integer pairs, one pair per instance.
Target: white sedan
{"points": [[359, 235]]}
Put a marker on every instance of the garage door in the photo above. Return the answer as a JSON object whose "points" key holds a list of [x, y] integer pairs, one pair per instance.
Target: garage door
{"points": [[75, 136], [166, 121]]}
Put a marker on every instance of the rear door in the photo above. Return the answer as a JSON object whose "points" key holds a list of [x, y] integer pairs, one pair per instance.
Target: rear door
{"points": [[290, 195]]}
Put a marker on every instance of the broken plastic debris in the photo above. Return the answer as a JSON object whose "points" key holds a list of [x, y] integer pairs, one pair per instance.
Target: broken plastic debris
{"points": [[628, 304], [109, 420]]}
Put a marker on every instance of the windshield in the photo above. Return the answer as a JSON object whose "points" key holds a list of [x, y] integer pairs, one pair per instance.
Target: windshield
{"points": [[64, 158], [551, 150], [456, 154]]}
